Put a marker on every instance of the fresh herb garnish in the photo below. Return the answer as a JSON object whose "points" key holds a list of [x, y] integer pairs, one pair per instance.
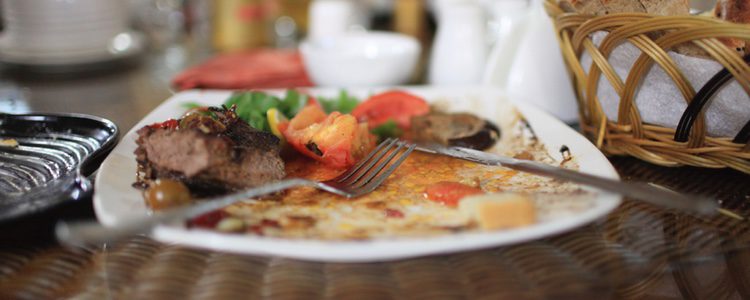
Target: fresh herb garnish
{"points": [[199, 108], [292, 103], [387, 129], [344, 103], [192, 105], [252, 106]]}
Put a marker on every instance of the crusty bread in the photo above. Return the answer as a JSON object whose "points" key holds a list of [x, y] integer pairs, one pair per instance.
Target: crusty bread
{"points": [[672, 8], [691, 49], [604, 7], [730, 10], [587, 7], [623, 6], [666, 7], [566, 6], [735, 11], [498, 211]]}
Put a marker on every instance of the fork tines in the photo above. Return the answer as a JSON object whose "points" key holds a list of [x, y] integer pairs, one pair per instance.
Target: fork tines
{"points": [[374, 168]]}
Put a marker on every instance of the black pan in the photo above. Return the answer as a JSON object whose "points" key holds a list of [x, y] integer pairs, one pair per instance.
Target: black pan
{"points": [[50, 165]]}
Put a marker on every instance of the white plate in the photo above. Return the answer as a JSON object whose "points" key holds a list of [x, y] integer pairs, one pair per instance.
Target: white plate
{"points": [[123, 45], [116, 202]]}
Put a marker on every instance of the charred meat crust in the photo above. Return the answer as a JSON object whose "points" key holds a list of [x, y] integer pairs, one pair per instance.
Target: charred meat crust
{"points": [[210, 162]]}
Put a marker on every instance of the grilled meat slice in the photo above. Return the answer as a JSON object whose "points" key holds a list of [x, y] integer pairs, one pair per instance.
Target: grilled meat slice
{"points": [[210, 158]]}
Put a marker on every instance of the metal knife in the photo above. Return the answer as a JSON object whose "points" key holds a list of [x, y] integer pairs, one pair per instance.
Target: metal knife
{"points": [[635, 190]]}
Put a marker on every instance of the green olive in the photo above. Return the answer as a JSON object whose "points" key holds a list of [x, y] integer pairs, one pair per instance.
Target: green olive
{"points": [[166, 193]]}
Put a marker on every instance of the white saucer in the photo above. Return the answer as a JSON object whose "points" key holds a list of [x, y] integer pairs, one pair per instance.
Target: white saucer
{"points": [[124, 45]]}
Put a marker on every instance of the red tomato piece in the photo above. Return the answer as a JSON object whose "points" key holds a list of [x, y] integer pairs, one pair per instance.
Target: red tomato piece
{"points": [[168, 124], [393, 213], [270, 223], [398, 106], [312, 101], [449, 192], [208, 220], [336, 140]]}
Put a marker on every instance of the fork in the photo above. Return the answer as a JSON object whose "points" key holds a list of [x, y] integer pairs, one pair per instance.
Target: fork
{"points": [[360, 179]]}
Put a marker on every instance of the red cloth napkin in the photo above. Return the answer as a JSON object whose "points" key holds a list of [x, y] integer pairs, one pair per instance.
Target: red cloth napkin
{"points": [[256, 69]]}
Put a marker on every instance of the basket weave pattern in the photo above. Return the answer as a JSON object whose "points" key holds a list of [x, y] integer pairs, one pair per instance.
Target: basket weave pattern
{"points": [[652, 35]]}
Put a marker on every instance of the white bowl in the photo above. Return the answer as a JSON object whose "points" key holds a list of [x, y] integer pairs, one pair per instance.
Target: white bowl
{"points": [[361, 59]]}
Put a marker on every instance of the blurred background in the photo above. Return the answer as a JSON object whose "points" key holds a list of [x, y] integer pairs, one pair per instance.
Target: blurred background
{"points": [[121, 58]]}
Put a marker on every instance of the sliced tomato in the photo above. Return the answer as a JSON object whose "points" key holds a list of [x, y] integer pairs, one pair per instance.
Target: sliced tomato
{"points": [[305, 167], [398, 106], [394, 213], [336, 139], [208, 220], [307, 116], [449, 192], [312, 101], [168, 124]]}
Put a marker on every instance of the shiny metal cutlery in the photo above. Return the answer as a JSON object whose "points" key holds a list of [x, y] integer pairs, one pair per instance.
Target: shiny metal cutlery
{"points": [[360, 179], [635, 190]]}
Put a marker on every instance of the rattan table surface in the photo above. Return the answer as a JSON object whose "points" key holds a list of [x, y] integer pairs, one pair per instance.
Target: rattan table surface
{"points": [[638, 251]]}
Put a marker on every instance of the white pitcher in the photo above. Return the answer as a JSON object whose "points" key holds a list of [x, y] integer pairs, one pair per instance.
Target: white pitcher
{"points": [[460, 49], [528, 63]]}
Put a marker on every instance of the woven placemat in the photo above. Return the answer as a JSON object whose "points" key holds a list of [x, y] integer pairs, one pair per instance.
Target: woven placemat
{"points": [[626, 255]]}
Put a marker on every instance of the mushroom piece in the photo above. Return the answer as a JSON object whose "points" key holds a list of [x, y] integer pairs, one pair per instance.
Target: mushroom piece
{"points": [[454, 129]]}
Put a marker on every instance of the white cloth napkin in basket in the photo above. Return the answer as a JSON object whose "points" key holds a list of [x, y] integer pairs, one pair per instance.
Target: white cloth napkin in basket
{"points": [[660, 102]]}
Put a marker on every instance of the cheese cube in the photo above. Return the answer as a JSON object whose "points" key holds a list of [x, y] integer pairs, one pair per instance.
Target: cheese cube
{"points": [[498, 211]]}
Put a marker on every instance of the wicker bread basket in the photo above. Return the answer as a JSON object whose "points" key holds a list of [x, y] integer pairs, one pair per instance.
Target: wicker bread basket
{"points": [[629, 135]]}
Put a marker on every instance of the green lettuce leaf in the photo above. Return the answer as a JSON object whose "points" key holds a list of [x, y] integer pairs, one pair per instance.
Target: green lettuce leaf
{"points": [[387, 130], [252, 106], [344, 103]]}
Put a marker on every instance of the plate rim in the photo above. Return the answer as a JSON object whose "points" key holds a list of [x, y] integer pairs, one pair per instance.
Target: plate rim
{"points": [[342, 251], [8, 55]]}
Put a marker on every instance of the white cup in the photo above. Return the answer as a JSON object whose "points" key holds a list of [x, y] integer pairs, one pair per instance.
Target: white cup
{"points": [[334, 17]]}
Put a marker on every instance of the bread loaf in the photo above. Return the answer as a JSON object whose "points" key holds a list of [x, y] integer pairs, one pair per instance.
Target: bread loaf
{"points": [[605, 7], [623, 6], [666, 7], [586, 7], [735, 11]]}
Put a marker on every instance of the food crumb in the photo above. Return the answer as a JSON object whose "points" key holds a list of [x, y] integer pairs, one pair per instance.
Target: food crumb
{"points": [[12, 143], [230, 225], [524, 155]]}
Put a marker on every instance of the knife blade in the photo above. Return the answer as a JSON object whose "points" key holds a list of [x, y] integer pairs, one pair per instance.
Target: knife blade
{"points": [[635, 190]]}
